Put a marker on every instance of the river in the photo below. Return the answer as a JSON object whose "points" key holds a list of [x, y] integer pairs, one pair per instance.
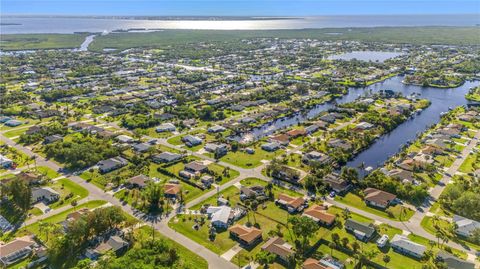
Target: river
{"points": [[389, 144]]}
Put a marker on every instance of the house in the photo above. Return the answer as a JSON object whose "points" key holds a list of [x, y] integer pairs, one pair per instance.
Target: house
{"points": [[252, 192], [44, 194], [124, 139], [141, 147], [339, 143], [315, 157], [207, 180], [16, 250], [166, 127], [362, 231], [139, 181], [216, 129], [319, 214], [382, 241], [172, 190], [277, 246], [465, 226], [33, 130], [74, 216], [111, 164], [191, 141], [362, 126], [196, 167], [52, 138], [378, 198], [453, 262], [115, 243], [281, 139], [13, 123], [286, 173], [292, 204], [5, 225], [403, 245], [166, 157], [325, 263], [247, 236], [271, 147], [219, 216], [5, 162], [336, 183], [401, 175], [312, 128], [218, 149], [296, 133]]}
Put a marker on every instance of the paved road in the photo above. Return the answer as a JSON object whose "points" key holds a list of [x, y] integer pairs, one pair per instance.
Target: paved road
{"points": [[96, 193]]}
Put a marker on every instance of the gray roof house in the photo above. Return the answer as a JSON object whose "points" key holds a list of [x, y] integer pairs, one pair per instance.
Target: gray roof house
{"points": [[166, 157], [403, 245], [166, 127], [191, 140], [465, 226], [273, 146], [111, 164], [361, 230], [45, 194], [453, 262]]}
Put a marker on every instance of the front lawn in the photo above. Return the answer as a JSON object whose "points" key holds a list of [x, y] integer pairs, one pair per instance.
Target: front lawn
{"points": [[398, 212], [245, 160]]}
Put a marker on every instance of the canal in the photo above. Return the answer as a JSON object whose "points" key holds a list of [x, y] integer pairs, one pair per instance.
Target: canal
{"points": [[389, 144]]}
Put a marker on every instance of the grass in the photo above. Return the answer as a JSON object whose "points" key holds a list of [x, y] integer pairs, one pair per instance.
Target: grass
{"points": [[15, 132], [357, 202], [187, 256], [184, 224], [48, 172], [468, 165], [41, 41], [65, 187], [245, 160]]}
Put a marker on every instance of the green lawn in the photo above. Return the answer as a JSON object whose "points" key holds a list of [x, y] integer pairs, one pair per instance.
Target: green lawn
{"points": [[66, 187], [356, 201], [469, 164], [48, 172], [188, 257], [245, 160], [16, 132]]}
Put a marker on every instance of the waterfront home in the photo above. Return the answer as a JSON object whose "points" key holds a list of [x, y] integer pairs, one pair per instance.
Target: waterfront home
{"points": [[166, 157], [378, 198], [319, 214], [362, 231], [281, 139], [138, 181], [291, 204], [401, 175], [277, 246], [403, 245], [246, 236], [16, 250], [296, 133], [111, 164], [166, 127], [339, 143], [315, 157], [465, 226], [44, 194]]}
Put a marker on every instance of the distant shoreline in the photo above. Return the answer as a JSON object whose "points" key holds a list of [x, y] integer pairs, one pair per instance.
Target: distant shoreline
{"points": [[162, 18]]}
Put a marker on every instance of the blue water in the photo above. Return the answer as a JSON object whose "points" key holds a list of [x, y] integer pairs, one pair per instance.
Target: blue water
{"points": [[78, 24]]}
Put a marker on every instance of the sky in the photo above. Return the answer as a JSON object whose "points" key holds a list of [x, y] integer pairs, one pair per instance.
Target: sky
{"points": [[237, 8]]}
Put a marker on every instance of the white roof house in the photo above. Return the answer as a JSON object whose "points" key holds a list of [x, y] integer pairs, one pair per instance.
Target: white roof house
{"points": [[219, 215], [465, 226], [124, 139], [403, 245], [166, 127], [5, 162]]}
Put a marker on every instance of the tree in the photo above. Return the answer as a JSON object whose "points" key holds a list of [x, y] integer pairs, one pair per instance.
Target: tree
{"points": [[349, 174], [386, 259], [264, 258], [345, 242], [153, 194], [21, 193], [303, 227]]}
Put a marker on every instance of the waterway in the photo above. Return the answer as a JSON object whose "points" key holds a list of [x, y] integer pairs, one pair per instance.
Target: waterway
{"points": [[391, 143], [31, 24]]}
